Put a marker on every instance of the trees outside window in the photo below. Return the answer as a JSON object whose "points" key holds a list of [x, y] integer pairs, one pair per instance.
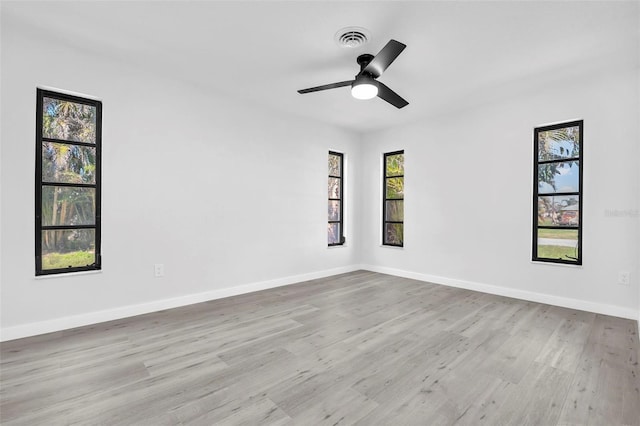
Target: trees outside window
{"points": [[335, 228], [393, 199], [67, 205], [557, 193]]}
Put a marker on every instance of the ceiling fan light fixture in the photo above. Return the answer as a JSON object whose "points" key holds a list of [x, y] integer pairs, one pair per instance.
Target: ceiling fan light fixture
{"points": [[364, 88]]}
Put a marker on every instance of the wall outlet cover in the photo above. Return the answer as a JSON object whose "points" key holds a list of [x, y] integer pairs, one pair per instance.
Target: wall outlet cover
{"points": [[624, 277], [158, 270]]}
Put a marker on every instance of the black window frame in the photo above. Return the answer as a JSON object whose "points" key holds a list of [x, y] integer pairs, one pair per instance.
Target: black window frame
{"points": [[577, 260], [385, 199], [341, 239], [40, 183]]}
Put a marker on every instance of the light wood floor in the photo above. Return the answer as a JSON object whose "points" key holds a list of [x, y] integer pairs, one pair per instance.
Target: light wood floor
{"points": [[359, 348]]}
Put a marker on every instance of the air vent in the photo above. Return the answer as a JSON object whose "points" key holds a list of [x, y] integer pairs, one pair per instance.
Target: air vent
{"points": [[352, 37]]}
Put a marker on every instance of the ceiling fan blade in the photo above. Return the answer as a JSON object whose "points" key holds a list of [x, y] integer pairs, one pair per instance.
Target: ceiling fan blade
{"points": [[326, 87], [390, 96], [384, 58]]}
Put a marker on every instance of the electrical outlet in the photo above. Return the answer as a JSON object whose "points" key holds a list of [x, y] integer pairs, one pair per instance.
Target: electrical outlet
{"points": [[158, 270], [624, 277]]}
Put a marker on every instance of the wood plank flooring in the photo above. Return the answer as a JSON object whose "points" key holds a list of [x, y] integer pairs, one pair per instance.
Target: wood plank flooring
{"points": [[355, 349]]}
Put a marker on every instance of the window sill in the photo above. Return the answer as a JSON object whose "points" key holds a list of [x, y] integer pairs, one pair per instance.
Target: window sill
{"points": [[68, 274], [562, 265], [392, 247]]}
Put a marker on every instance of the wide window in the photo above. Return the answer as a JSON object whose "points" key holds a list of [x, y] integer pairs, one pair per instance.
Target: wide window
{"points": [[393, 199], [335, 228], [557, 193], [67, 215]]}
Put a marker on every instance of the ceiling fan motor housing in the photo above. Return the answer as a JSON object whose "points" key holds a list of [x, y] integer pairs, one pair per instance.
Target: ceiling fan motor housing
{"points": [[363, 60]]}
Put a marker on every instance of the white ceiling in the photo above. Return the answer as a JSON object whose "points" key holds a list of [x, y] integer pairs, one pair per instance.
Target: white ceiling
{"points": [[459, 54]]}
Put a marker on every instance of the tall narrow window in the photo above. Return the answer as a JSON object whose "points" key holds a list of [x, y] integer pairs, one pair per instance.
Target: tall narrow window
{"points": [[557, 193], [393, 199], [67, 214], [335, 228]]}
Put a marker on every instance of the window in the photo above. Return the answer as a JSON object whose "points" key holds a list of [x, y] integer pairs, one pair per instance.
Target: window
{"points": [[557, 193], [335, 228], [393, 199], [67, 215]]}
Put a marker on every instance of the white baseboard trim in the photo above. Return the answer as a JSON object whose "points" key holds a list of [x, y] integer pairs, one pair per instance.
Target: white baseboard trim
{"points": [[565, 302], [65, 323]]}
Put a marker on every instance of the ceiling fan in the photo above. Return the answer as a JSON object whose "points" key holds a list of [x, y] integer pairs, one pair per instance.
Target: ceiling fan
{"points": [[365, 85]]}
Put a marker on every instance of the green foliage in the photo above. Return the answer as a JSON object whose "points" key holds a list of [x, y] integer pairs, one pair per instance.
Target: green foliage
{"points": [[395, 165], [66, 260], [394, 234], [557, 252], [547, 174], [68, 163], [394, 188], [549, 148], [68, 121], [68, 205], [394, 210]]}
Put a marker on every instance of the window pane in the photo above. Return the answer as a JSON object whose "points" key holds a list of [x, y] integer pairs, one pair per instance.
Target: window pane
{"points": [[559, 177], [63, 205], [394, 211], [393, 234], [68, 163], [68, 248], [394, 188], [559, 143], [68, 183], [558, 210], [334, 165], [334, 188], [559, 153], [333, 230], [394, 165], [68, 120], [334, 210], [558, 244]]}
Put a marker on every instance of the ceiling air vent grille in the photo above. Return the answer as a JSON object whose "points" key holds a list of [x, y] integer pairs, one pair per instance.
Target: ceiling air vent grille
{"points": [[352, 37]]}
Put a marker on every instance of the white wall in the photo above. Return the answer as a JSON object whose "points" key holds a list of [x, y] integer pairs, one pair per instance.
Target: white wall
{"points": [[468, 177], [223, 194]]}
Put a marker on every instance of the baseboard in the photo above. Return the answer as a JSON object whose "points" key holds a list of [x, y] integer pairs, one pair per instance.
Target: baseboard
{"points": [[565, 302], [65, 323]]}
